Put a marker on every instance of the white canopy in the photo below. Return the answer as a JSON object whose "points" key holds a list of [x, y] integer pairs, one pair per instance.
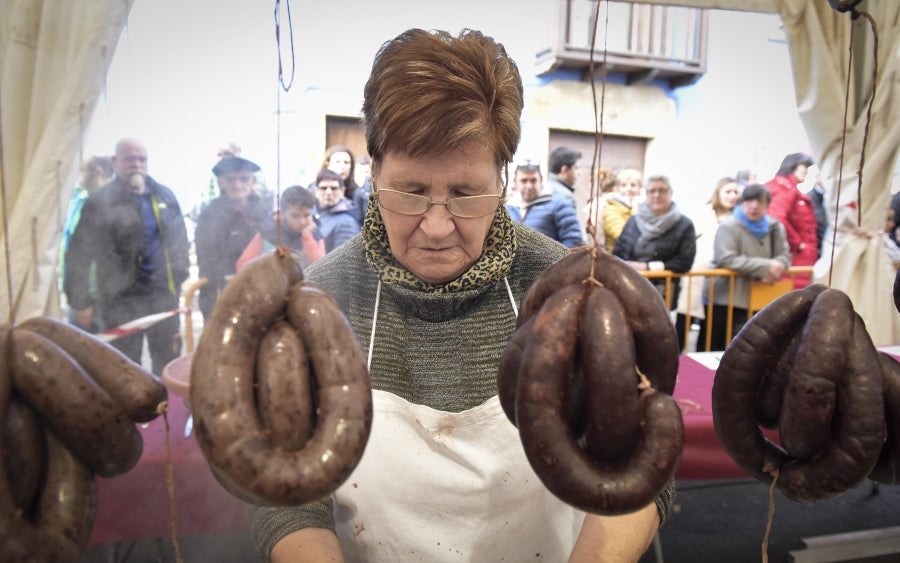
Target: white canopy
{"points": [[819, 44], [54, 55]]}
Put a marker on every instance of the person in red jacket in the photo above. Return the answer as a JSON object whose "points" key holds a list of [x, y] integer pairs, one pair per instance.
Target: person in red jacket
{"points": [[796, 212]]}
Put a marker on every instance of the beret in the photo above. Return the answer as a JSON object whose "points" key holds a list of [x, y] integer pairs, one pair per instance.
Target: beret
{"points": [[234, 164]]}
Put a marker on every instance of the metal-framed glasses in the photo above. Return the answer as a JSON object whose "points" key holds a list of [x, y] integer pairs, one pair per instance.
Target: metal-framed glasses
{"points": [[465, 207]]}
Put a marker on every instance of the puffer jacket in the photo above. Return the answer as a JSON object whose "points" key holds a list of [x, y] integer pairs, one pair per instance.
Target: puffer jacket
{"points": [[337, 224], [552, 215], [794, 209]]}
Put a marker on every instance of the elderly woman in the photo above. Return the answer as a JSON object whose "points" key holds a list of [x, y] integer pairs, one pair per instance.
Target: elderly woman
{"points": [[658, 237], [753, 244], [430, 288]]}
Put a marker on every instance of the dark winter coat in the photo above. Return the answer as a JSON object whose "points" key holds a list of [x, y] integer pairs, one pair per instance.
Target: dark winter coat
{"points": [[675, 249], [110, 234], [223, 232]]}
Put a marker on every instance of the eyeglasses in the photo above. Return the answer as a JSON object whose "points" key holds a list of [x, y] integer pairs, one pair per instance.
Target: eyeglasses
{"points": [[466, 207], [327, 188]]}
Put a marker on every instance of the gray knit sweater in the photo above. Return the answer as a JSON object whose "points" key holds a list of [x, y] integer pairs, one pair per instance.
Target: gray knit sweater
{"points": [[439, 350]]}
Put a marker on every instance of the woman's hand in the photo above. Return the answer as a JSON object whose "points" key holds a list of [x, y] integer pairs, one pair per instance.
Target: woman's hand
{"points": [[308, 545], [616, 538]]}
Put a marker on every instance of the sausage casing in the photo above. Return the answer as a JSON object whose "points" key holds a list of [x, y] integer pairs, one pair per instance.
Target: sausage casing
{"points": [[285, 396], [137, 390], [887, 468], [613, 410], [858, 429], [811, 391], [59, 527], [23, 453], [78, 411]]}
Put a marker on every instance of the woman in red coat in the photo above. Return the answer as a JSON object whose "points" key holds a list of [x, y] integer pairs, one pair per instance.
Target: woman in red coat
{"points": [[796, 212]]}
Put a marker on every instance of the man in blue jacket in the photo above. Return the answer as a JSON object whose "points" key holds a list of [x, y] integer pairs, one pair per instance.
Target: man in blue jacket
{"points": [[133, 230], [550, 214]]}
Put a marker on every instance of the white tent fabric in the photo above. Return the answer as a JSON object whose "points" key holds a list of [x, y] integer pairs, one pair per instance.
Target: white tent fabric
{"points": [[54, 56], [819, 43]]}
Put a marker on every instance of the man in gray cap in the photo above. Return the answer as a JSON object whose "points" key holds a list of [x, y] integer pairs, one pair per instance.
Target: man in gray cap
{"points": [[227, 225]]}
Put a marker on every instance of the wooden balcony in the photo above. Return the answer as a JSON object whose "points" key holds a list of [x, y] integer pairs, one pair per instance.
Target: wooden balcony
{"points": [[645, 42]]}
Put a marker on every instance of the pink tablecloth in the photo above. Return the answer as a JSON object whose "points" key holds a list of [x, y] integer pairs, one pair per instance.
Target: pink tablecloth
{"points": [[136, 505], [703, 456]]}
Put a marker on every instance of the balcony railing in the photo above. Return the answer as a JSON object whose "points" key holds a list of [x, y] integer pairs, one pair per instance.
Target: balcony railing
{"points": [[645, 41], [688, 279]]}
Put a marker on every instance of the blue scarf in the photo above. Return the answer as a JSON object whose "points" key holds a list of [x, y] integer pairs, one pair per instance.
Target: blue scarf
{"points": [[758, 228]]}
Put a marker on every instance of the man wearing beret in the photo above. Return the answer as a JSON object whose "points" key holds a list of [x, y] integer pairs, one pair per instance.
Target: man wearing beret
{"points": [[133, 230], [227, 225]]}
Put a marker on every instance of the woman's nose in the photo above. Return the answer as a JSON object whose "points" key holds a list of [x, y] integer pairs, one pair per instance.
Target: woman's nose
{"points": [[437, 222]]}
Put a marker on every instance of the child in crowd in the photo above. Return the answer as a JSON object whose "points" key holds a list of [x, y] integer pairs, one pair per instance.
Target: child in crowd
{"points": [[298, 229]]}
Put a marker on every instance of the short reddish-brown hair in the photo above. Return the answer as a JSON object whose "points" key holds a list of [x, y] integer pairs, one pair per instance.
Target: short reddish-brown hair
{"points": [[430, 91]]}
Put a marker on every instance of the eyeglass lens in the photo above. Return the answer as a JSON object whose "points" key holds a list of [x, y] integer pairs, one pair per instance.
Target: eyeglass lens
{"points": [[412, 204]]}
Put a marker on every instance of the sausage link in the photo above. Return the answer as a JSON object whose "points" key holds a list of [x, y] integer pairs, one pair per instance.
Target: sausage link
{"points": [[773, 381], [655, 340], [343, 388], [229, 429], [222, 375], [616, 487], [738, 376], [858, 429], [572, 268], [887, 468], [551, 349], [656, 343], [137, 390], [508, 370], [811, 392], [23, 453], [78, 411], [612, 411], [285, 395], [60, 525]]}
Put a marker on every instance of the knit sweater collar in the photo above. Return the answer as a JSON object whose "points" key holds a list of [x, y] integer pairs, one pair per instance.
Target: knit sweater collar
{"points": [[436, 307]]}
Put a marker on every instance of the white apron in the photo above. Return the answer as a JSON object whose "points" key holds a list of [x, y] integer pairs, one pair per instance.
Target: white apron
{"points": [[439, 486]]}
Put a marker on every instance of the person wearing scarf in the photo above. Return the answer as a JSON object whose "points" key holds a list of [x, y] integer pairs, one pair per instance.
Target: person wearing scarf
{"points": [[431, 288], [754, 245], [658, 237]]}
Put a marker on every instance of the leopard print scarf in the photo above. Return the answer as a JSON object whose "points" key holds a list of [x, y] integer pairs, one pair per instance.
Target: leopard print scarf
{"points": [[494, 264]]}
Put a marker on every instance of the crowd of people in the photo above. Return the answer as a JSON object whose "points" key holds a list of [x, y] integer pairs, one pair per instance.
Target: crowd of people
{"points": [[110, 280]]}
